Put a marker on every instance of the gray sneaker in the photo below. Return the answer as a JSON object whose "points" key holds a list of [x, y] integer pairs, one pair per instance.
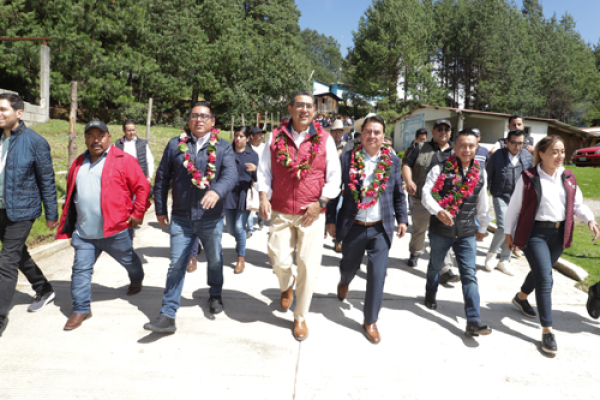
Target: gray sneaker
{"points": [[162, 324], [41, 300]]}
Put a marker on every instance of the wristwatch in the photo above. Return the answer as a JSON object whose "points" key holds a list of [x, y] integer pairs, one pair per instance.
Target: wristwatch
{"points": [[322, 203]]}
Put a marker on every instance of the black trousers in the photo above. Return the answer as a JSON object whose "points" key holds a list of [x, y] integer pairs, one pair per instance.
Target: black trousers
{"points": [[14, 256], [374, 241]]}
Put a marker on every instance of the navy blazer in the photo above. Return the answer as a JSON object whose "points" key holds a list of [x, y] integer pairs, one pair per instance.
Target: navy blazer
{"points": [[186, 196], [392, 201]]}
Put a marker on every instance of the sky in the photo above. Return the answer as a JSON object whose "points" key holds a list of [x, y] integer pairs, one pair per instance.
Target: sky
{"points": [[338, 18]]}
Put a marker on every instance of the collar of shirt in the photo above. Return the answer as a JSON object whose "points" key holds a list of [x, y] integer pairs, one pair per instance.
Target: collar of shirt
{"points": [[372, 159], [201, 141], [86, 154], [554, 178], [298, 135], [135, 138]]}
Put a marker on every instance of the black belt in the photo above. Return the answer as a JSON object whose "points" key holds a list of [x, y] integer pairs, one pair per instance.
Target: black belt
{"points": [[357, 222], [548, 224]]}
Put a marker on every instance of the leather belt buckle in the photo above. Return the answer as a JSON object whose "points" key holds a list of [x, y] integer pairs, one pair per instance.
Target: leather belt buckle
{"points": [[557, 225]]}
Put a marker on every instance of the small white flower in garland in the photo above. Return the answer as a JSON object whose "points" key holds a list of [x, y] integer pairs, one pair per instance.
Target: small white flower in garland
{"points": [[199, 180], [381, 175], [452, 201]]}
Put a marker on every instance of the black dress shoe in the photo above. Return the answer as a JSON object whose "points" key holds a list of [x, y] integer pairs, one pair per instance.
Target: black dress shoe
{"points": [[549, 343], [412, 261], [430, 301], [593, 304], [215, 304], [525, 307], [476, 328], [162, 324], [449, 276]]}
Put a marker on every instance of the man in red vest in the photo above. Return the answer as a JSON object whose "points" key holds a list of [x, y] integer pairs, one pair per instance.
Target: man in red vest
{"points": [[300, 171]]}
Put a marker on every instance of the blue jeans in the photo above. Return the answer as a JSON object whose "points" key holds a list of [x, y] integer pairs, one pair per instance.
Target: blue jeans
{"points": [[87, 251], [500, 207], [250, 223], [183, 233], [543, 249], [236, 227], [465, 250]]}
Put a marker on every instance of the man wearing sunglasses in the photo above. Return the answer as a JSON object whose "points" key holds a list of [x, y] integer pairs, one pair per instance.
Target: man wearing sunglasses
{"points": [[414, 172], [503, 170]]}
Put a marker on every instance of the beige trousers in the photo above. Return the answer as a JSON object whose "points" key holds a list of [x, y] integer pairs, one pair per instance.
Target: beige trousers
{"points": [[286, 237]]}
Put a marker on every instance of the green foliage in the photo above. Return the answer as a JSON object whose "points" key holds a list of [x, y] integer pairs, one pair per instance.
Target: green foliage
{"points": [[324, 55], [585, 254], [136, 112]]}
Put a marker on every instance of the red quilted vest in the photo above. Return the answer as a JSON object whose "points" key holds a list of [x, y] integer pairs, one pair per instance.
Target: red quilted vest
{"points": [[289, 193]]}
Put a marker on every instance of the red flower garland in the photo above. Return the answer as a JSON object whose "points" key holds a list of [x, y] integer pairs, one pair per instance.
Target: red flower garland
{"points": [[454, 198], [378, 183], [199, 180], [299, 169]]}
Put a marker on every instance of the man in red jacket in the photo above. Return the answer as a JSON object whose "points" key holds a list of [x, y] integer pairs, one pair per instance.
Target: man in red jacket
{"points": [[107, 194]]}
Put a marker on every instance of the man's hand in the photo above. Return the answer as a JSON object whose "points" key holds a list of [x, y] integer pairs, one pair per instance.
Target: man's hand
{"points": [[311, 214], [411, 188], [250, 167], [479, 236], [530, 149], [134, 222], [331, 230], [163, 220], [402, 228], [445, 217], [210, 199], [594, 228], [508, 242], [264, 209], [51, 225]]}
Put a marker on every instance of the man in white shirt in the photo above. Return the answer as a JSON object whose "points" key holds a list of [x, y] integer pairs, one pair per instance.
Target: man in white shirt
{"points": [[454, 193], [138, 148], [300, 171]]}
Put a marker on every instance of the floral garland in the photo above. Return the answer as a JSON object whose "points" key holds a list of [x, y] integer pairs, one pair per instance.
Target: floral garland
{"points": [[201, 181], [299, 169], [452, 201], [379, 181]]}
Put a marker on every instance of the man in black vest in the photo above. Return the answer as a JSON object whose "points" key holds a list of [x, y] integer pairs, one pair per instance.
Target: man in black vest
{"points": [[453, 195], [138, 148]]}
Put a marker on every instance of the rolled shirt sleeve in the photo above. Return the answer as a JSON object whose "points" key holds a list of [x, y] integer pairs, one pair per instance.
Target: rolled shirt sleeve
{"points": [[265, 173]]}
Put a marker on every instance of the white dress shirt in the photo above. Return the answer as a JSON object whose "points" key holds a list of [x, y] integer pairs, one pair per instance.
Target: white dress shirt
{"points": [[259, 149], [434, 208], [371, 214], [553, 204], [514, 160], [129, 148], [333, 169]]}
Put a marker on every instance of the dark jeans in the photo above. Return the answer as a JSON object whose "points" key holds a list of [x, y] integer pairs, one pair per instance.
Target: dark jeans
{"points": [[543, 249], [374, 240], [14, 256], [465, 250]]}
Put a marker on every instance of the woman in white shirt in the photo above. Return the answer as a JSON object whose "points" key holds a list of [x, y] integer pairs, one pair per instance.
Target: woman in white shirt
{"points": [[544, 226]]}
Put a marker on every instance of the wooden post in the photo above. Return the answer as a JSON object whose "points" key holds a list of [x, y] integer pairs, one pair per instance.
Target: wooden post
{"points": [[72, 146], [266, 120], [231, 132], [243, 120], [257, 119], [149, 120]]}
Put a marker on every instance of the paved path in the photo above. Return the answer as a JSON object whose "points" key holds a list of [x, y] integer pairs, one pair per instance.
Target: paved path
{"points": [[248, 351]]}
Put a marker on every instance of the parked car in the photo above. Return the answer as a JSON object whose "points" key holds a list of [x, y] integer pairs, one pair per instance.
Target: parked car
{"points": [[587, 156]]}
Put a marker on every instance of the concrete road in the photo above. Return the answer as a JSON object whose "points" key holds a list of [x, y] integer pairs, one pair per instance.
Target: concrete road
{"points": [[248, 351]]}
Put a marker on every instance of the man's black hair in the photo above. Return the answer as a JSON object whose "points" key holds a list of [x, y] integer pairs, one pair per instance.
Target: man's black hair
{"points": [[516, 132], [373, 118], [301, 93], [419, 132], [203, 104], [514, 116], [128, 122], [16, 102]]}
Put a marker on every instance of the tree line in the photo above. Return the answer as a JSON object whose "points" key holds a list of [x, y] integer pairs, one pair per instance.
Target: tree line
{"points": [[477, 54], [242, 56]]}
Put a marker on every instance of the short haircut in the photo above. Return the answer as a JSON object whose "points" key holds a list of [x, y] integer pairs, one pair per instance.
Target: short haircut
{"points": [[244, 129], [203, 104], [16, 102], [516, 132], [421, 131], [286, 117], [128, 122], [543, 146], [464, 132], [514, 116], [373, 118], [301, 93]]}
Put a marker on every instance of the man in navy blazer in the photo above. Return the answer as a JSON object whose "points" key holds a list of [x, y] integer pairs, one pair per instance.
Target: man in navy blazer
{"points": [[377, 185]]}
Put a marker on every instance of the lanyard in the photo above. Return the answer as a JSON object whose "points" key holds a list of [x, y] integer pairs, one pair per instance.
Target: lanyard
{"points": [[3, 156]]}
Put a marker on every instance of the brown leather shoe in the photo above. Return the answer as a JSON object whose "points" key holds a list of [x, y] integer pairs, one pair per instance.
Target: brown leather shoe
{"points": [[342, 291], [192, 264], [76, 320], [372, 333], [239, 267], [300, 331], [338, 247], [287, 297], [134, 288]]}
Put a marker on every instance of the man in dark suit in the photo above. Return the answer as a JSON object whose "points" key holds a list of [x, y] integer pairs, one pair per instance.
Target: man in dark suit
{"points": [[373, 202]]}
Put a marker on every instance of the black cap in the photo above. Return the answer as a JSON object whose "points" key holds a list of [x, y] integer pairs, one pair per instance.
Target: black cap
{"points": [[255, 130], [476, 132], [442, 122], [96, 124]]}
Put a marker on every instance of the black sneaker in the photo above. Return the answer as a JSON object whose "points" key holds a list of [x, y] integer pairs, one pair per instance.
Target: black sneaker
{"points": [[549, 343], [476, 328], [593, 304], [216, 304], [525, 307], [3, 323], [412, 261], [162, 324], [449, 276], [430, 301], [41, 300]]}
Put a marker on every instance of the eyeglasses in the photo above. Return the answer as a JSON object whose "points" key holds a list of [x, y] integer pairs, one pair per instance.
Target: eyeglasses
{"points": [[300, 106], [518, 144], [372, 132], [201, 117], [442, 129], [95, 136]]}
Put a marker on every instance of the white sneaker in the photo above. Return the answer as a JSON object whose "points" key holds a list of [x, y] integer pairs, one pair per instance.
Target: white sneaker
{"points": [[489, 261], [518, 253], [504, 266]]}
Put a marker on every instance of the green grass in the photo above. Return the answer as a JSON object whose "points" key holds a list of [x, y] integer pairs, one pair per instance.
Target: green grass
{"points": [[588, 179], [585, 254]]}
